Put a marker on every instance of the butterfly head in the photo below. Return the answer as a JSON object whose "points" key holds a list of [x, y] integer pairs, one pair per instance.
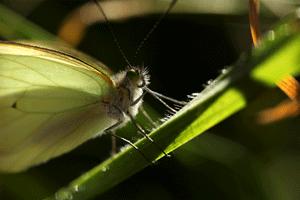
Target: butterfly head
{"points": [[138, 76]]}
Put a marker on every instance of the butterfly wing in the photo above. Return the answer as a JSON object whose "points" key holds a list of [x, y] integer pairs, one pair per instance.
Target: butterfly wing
{"points": [[50, 103], [66, 48]]}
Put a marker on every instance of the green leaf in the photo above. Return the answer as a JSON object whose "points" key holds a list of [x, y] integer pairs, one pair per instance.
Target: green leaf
{"points": [[14, 26]]}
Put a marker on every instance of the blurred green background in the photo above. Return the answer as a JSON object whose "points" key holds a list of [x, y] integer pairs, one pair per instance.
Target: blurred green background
{"points": [[237, 159]]}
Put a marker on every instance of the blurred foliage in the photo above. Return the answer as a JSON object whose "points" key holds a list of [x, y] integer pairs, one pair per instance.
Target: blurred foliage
{"points": [[236, 159]]}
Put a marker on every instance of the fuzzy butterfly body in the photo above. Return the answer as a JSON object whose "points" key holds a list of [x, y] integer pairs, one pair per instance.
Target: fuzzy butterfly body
{"points": [[51, 102]]}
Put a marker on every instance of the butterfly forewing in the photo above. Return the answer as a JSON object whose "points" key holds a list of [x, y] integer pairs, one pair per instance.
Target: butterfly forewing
{"points": [[49, 102]]}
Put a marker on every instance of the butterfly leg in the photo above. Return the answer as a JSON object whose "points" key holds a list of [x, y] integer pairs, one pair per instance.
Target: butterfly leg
{"points": [[138, 99], [142, 109], [108, 130], [113, 146], [147, 116], [113, 139], [144, 133]]}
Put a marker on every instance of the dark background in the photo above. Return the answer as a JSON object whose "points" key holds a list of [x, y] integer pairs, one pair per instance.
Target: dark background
{"points": [[183, 53]]}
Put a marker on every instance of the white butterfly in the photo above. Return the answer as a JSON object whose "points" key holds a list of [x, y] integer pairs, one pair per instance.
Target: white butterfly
{"points": [[51, 102]]}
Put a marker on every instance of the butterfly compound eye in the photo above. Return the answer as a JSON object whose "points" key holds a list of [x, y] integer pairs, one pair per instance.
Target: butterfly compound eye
{"points": [[133, 75]]}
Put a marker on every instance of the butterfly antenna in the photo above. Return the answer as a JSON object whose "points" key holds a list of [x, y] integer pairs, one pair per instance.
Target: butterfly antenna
{"points": [[153, 28], [112, 32]]}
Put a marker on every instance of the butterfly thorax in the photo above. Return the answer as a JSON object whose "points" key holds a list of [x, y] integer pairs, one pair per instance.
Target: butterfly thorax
{"points": [[128, 91]]}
